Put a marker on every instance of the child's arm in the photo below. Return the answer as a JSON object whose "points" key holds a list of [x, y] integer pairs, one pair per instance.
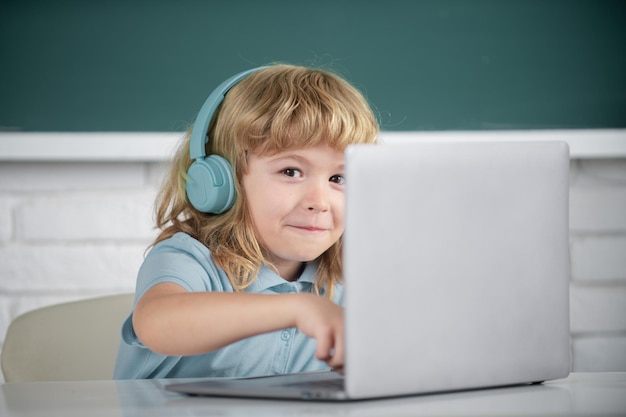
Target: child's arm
{"points": [[171, 321]]}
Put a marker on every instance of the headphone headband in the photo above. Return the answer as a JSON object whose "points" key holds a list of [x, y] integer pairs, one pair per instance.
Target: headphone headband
{"points": [[199, 134], [210, 182]]}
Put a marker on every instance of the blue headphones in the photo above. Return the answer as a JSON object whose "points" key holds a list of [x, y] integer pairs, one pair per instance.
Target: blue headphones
{"points": [[210, 184]]}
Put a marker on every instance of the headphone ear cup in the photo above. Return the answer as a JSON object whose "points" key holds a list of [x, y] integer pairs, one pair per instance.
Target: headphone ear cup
{"points": [[210, 184]]}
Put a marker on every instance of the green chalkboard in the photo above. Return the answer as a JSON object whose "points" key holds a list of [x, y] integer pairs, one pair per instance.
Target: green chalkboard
{"points": [[424, 65]]}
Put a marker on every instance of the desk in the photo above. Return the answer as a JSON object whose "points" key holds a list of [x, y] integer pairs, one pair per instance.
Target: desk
{"points": [[597, 394]]}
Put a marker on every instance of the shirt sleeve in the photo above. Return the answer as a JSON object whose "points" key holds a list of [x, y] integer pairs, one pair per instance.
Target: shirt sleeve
{"points": [[181, 260]]}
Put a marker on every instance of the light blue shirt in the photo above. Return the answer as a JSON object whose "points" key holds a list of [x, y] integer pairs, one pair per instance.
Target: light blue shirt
{"points": [[188, 263]]}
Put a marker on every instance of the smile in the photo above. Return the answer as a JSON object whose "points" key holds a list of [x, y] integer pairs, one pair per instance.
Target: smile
{"points": [[313, 229]]}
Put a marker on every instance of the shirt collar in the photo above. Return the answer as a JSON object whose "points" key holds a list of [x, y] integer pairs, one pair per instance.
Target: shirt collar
{"points": [[267, 278]]}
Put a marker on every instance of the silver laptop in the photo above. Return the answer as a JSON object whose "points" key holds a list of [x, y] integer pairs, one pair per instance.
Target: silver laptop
{"points": [[456, 267]]}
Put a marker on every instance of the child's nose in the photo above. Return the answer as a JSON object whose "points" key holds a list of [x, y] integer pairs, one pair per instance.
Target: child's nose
{"points": [[317, 196]]}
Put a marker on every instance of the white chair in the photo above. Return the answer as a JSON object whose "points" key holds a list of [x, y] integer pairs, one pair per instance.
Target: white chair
{"points": [[70, 341]]}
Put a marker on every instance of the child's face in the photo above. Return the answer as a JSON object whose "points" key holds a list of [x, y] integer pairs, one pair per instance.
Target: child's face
{"points": [[296, 200]]}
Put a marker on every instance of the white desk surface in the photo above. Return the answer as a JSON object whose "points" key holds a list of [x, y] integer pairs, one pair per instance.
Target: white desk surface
{"points": [[590, 394]]}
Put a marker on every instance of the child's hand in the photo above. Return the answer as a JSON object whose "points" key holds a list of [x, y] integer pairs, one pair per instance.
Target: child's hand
{"points": [[321, 319]]}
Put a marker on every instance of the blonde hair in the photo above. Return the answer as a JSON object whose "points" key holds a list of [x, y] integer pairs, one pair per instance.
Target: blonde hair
{"points": [[281, 107]]}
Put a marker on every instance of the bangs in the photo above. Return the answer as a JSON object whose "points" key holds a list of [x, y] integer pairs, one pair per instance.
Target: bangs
{"points": [[309, 120], [302, 109]]}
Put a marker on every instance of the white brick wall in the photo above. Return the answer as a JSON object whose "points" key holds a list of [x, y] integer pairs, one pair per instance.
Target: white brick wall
{"points": [[71, 230], [598, 264]]}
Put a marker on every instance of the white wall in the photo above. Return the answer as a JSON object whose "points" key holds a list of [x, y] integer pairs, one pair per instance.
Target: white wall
{"points": [[598, 264], [75, 225]]}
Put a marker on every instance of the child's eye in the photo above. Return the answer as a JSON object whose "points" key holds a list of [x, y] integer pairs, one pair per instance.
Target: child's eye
{"points": [[291, 172], [337, 179]]}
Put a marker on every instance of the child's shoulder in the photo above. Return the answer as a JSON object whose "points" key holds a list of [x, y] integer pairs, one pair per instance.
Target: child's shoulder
{"points": [[182, 243], [181, 240], [183, 260]]}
